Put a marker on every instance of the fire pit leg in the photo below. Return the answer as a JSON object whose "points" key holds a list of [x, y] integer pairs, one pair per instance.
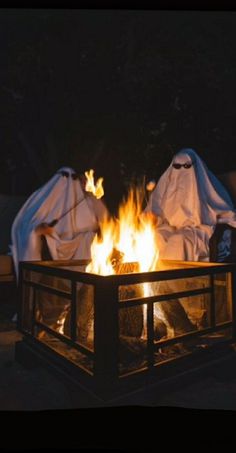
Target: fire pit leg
{"points": [[106, 340]]}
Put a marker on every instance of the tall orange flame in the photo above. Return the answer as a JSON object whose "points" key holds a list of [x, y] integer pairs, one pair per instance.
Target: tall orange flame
{"points": [[131, 234]]}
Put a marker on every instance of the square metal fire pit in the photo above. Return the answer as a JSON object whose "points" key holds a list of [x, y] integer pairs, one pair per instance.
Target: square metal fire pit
{"points": [[119, 332]]}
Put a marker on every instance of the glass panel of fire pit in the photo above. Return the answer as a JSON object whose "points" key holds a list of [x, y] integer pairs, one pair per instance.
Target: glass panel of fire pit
{"points": [[163, 287], [49, 281], [30, 276], [223, 298], [85, 315], [184, 347], [171, 318], [51, 309], [194, 317], [180, 316], [27, 308], [192, 310], [70, 353], [55, 311]]}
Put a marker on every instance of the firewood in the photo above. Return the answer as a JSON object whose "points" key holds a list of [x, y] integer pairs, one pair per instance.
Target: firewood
{"points": [[130, 319]]}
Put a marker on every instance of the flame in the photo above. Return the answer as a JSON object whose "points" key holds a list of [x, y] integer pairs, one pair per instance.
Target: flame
{"points": [[132, 235], [97, 189], [101, 250], [151, 185]]}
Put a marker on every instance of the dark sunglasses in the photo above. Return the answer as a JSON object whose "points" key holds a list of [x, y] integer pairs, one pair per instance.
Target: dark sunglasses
{"points": [[65, 173], [178, 166]]}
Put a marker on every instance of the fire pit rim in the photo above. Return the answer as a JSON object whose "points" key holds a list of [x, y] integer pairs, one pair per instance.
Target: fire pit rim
{"points": [[188, 269]]}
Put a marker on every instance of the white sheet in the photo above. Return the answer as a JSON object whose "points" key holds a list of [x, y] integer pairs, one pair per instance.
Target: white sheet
{"points": [[189, 202], [72, 234]]}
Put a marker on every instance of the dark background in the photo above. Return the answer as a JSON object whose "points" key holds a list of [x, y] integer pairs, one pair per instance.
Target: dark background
{"points": [[119, 91]]}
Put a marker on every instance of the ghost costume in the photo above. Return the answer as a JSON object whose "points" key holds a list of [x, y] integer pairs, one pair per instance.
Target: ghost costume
{"points": [[78, 214], [189, 201]]}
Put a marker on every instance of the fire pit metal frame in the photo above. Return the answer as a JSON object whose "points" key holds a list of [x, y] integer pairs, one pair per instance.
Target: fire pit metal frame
{"points": [[105, 374]]}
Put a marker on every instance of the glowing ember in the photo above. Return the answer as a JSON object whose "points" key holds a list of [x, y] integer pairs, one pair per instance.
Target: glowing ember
{"points": [[132, 235], [151, 185], [97, 189]]}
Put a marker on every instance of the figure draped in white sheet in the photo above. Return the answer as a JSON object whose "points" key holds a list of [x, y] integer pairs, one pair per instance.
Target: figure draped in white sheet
{"points": [[76, 214], [188, 201]]}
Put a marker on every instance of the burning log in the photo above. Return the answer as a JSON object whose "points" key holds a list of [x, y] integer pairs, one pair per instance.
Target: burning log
{"points": [[171, 313], [130, 319], [85, 314], [160, 328], [175, 318]]}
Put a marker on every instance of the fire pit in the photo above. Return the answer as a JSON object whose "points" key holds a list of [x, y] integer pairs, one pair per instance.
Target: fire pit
{"points": [[116, 332]]}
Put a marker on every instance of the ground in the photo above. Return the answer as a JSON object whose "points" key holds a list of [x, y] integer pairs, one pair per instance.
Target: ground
{"points": [[37, 389], [36, 401]]}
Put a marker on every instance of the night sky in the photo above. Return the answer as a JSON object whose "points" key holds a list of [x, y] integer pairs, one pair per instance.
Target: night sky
{"points": [[119, 91]]}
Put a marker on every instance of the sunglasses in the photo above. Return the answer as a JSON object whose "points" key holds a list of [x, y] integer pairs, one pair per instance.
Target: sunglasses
{"points": [[65, 173], [178, 166]]}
